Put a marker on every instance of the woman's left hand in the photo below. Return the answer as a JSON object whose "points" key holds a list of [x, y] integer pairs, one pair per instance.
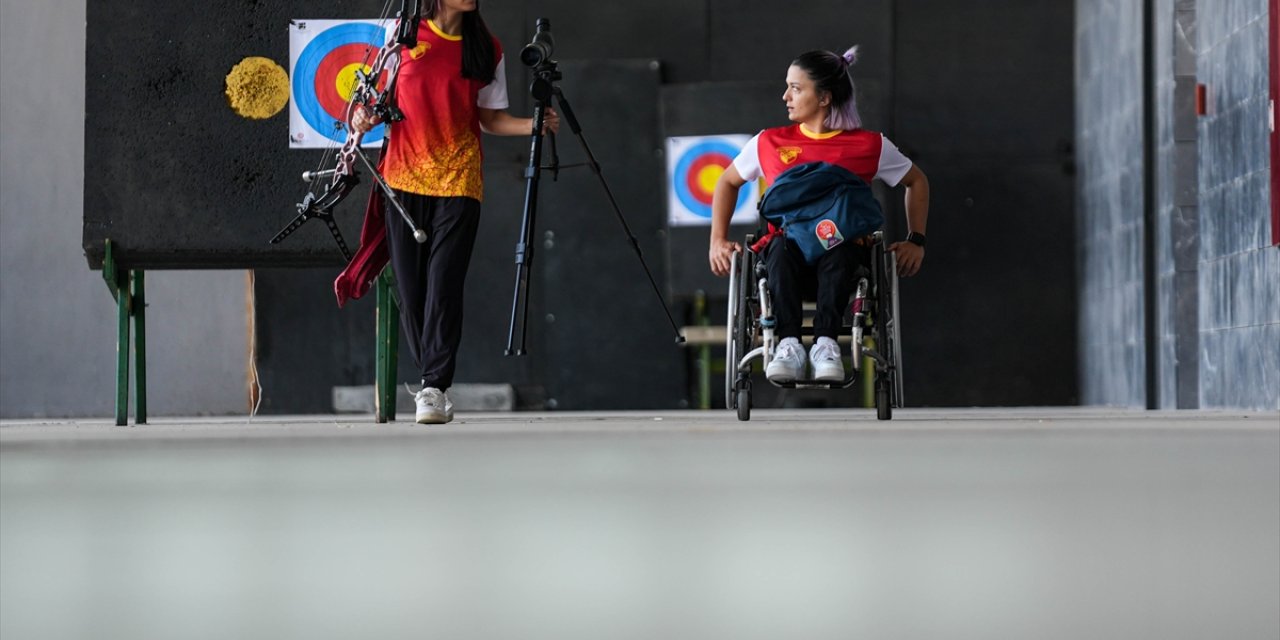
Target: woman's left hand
{"points": [[550, 121], [910, 256]]}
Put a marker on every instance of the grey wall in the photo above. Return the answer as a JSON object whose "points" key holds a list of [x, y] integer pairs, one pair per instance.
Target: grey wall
{"points": [[1109, 131], [57, 320], [1177, 210], [1239, 269], [1217, 303]]}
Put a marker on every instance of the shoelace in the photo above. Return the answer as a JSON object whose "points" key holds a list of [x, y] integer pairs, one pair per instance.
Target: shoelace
{"points": [[789, 351], [825, 351], [433, 398]]}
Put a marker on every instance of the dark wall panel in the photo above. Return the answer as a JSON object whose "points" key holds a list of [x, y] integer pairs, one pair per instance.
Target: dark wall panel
{"points": [[673, 31], [986, 111], [756, 39], [609, 345], [990, 320], [306, 345]]}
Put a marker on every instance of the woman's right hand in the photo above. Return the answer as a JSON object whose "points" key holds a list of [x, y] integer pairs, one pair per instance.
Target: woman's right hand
{"points": [[721, 255], [362, 121]]}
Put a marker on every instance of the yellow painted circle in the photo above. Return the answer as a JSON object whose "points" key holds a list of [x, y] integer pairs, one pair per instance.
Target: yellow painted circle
{"points": [[257, 88], [708, 176], [345, 83]]}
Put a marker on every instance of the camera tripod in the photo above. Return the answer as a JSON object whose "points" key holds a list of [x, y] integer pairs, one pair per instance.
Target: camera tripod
{"points": [[544, 90]]}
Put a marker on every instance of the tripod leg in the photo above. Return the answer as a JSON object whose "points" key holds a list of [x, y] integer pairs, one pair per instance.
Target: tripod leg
{"points": [[567, 111], [524, 248]]}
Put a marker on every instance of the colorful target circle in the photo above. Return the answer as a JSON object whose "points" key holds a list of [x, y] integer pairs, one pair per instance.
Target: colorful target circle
{"points": [[696, 174], [326, 72]]}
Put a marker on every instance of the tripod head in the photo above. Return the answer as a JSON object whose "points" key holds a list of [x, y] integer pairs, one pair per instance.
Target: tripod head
{"points": [[537, 55]]}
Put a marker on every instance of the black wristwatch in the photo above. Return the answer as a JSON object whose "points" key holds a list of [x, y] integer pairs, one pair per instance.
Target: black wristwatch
{"points": [[916, 238]]}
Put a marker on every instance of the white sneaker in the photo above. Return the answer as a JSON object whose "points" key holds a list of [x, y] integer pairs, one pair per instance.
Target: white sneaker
{"points": [[788, 362], [827, 363], [433, 406]]}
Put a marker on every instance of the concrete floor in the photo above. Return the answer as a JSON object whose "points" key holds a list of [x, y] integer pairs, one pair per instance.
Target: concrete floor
{"points": [[1043, 523]]}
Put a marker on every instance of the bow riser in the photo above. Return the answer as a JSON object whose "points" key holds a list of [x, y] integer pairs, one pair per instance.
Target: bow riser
{"points": [[366, 94]]}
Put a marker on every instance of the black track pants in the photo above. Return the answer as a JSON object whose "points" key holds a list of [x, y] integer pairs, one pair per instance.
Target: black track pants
{"points": [[430, 278], [791, 279]]}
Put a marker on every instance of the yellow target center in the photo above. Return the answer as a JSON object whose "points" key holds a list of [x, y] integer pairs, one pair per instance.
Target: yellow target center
{"points": [[345, 83], [708, 176]]}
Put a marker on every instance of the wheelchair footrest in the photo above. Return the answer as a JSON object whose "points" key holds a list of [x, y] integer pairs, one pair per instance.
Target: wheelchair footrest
{"points": [[849, 381]]}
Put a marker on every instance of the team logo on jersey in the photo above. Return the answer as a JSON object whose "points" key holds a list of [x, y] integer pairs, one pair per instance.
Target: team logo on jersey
{"points": [[420, 50], [829, 234], [788, 154]]}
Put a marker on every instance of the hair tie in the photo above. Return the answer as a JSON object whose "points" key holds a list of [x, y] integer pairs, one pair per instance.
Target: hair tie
{"points": [[850, 56]]}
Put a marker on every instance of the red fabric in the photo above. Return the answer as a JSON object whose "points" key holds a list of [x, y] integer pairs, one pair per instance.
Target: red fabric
{"points": [[765, 239], [370, 259], [781, 148]]}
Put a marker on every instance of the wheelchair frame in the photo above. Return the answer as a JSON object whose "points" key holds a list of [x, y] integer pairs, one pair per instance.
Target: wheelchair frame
{"points": [[750, 330]]}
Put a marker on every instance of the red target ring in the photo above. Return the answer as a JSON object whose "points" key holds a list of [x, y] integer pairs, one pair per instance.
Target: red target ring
{"points": [[698, 177], [335, 77]]}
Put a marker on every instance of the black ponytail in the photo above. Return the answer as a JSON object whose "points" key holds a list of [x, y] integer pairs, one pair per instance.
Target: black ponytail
{"points": [[478, 53], [479, 57]]}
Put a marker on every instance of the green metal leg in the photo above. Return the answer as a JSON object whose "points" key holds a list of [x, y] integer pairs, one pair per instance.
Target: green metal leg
{"points": [[140, 345], [387, 338], [380, 359], [131, 304], [122, 350], [393, 352]]}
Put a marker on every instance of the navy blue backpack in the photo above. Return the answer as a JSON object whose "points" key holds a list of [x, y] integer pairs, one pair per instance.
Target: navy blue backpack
{"points": [[821, 205]]}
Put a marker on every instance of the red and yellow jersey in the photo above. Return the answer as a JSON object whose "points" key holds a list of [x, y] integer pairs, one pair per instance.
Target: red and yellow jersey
{"points": [[435, 150], [867, 154]]}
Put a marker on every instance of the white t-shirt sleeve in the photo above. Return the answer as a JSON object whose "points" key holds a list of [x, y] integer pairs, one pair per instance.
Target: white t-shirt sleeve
{"points": [[893, 165], [494, 94], [748, 161]]}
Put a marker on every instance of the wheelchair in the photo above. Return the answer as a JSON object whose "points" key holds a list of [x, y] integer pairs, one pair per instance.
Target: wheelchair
{"points": [[873, 314]]}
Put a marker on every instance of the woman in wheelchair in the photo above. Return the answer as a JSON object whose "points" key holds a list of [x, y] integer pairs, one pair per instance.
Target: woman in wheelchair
{"points": [[826, 128]]}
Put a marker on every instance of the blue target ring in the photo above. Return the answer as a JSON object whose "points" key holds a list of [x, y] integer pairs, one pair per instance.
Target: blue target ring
{"points": [[700, 203], [310, 61]]}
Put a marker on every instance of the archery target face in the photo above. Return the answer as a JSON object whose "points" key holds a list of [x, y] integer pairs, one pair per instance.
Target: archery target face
{"points": [[324, 56], [694, 164]]}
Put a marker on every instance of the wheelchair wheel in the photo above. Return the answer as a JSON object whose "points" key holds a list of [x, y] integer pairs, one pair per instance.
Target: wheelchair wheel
{"points": [[884, 408], [886, 309], [744, 333], [733, 351], [740, 328]]}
